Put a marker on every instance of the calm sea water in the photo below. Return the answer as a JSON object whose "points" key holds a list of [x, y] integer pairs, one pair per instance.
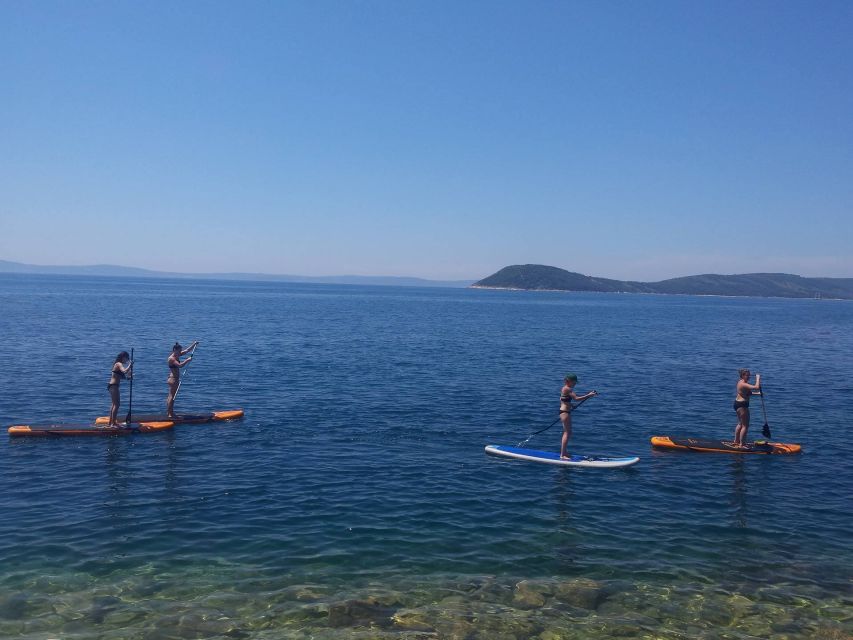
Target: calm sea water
{"points": [[355, 500]]}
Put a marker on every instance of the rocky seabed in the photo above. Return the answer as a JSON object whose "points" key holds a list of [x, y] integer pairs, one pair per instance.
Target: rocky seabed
{"points": [[483, 607]]}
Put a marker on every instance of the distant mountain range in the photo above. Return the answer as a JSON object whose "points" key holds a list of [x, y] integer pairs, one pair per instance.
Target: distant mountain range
{"points": [[133, 272], [780, 285]]}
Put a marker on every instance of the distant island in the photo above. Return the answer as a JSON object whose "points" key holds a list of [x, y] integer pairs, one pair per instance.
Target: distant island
{"points": [[116, 271], [777, 285]]}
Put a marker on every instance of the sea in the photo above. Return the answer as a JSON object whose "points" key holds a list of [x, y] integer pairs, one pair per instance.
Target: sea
{"points": [[355, 499]]}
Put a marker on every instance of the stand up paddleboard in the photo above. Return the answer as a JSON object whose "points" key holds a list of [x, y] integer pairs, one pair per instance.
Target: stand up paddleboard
{"points": [[182, 418], [723, 446], [49, 430], [547, 457]]}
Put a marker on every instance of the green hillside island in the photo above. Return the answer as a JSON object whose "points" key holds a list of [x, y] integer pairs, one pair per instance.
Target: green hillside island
{"points": [[779, 285]]}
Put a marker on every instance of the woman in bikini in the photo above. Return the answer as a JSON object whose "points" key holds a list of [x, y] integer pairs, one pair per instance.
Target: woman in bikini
{"points": [[741, 405], [567, 394], [174, 381], [122, 370]]}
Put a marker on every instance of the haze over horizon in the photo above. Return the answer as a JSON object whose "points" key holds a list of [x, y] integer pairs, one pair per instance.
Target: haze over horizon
{"points": [[441, 141], [119, 270]]}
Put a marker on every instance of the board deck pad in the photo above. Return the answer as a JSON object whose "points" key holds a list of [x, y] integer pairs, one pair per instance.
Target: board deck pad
{"points": [[182, 418], [549, 457], [48, 430], [724, 446]]}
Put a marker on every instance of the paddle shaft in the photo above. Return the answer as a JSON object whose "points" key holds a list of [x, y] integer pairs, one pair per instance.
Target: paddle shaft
{"points": [[571, 408], [130, 401], [181, 379]]}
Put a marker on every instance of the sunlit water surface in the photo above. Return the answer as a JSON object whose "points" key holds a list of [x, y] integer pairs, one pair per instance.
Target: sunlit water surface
{"points": [[355, 500]]}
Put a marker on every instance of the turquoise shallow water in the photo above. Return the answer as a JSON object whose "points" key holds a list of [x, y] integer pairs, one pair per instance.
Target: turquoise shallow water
{"points": [[355, 500]]}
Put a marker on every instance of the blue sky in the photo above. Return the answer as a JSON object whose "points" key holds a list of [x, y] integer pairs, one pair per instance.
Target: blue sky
{"points": [[440, 139]]}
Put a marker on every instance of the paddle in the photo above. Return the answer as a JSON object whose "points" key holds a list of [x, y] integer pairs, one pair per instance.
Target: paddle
{"points": [[181, 379], [765, 430], [130, 402], [572, 408]]}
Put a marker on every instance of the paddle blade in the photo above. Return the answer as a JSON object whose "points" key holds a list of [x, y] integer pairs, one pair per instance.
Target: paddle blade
{"points": [[765, 431]]}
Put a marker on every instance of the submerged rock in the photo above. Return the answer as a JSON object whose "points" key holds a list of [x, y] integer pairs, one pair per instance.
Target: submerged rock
{"points": [[582, 593], [15, 606], [385, 597], [124, 617], [412, 620], [623, 630], [205, 623], [367, 612], [517, 626], [101, 607], [636, 602], [739, 605], [459, 630], [308, 594], [754, 625], [532, 594], [831, 633], [455, 603], [143, 588], [717, 613], [76, 626], [486, 588], [301, 613], [41, 624]]}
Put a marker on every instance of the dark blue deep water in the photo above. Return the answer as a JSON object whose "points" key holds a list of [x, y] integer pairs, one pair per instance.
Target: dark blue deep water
{"points": [[355, 500]]}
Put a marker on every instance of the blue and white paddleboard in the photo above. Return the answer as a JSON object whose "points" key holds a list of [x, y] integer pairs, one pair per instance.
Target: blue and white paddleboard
{"points": [[547, 457]]}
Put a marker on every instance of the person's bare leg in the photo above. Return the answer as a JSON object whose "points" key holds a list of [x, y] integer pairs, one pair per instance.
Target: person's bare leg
{"points": [[742, 427], [566, 419], [115, 396], [170, 400]]}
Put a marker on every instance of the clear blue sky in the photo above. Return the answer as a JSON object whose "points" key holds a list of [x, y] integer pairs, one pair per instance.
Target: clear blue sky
{"points": [[440, 139]]}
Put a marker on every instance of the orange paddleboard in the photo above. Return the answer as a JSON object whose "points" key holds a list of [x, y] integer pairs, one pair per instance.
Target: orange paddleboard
{"points": [[723, 446], [182, 418], [48, 430]]}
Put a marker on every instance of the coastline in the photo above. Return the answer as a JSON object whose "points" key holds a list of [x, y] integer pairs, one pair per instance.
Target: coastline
{"points": [[538, 277], [658, 293]]}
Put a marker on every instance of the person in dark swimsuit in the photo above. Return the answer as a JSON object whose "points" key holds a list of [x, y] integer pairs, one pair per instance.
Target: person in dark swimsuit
{"points": [[567, 394], [122, 370], [744, 391], [174, 381]]}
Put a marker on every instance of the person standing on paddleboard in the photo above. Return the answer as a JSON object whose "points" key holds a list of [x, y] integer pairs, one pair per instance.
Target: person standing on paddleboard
{"points": [[174, 381], [122, 370], [567, 394], [741, 404]]}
